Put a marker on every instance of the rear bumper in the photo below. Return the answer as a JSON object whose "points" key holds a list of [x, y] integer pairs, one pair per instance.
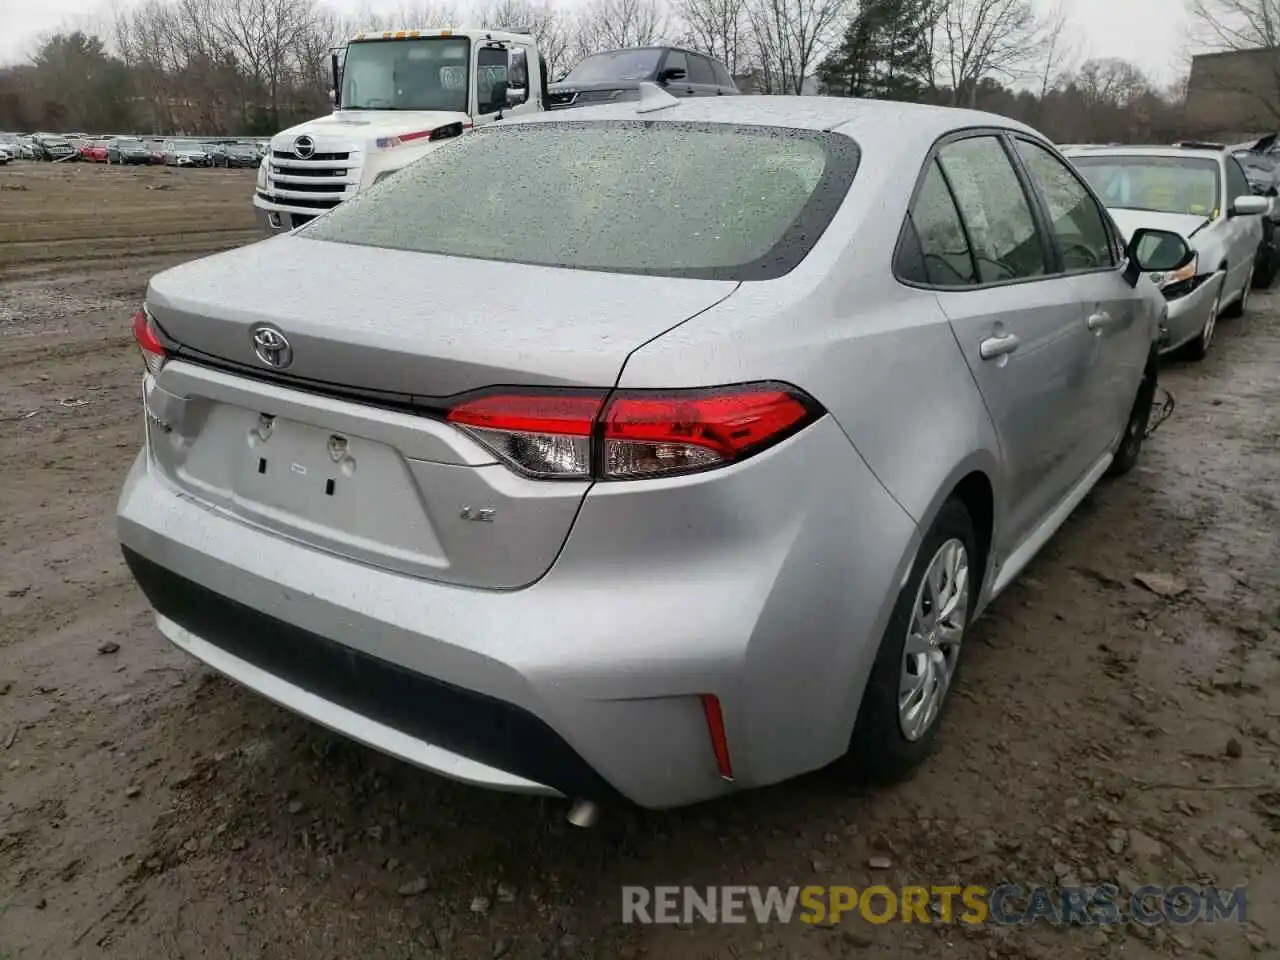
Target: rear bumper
{"points": [[767, 585], [467, 735]]}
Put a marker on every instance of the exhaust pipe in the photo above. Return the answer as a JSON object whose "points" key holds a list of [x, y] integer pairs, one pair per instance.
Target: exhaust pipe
{"points": [[583, 814]]}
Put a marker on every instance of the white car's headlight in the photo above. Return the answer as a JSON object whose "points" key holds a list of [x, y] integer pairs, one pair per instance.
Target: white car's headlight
{"points": [[262, 174], [1178, 283]]}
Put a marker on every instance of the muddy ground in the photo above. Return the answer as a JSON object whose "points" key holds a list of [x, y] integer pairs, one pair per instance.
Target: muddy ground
{"points": [[150, 809]]}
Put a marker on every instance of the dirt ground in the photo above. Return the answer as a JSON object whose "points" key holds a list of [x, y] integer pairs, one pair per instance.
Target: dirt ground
{"points": [[150, 809]]}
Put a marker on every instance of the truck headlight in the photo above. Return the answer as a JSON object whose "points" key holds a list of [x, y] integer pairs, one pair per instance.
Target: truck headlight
{"points": [[262, 174]]}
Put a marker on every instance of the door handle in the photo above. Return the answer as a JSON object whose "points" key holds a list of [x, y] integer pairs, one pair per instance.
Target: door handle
{"points": [[1100, 320], [993, 347]]}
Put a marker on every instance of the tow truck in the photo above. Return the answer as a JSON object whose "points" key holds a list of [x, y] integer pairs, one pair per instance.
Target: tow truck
{"points": [[397, 95]]}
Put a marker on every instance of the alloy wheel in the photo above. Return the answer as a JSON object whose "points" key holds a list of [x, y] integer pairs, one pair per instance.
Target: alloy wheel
{"points": [[932, 648]]}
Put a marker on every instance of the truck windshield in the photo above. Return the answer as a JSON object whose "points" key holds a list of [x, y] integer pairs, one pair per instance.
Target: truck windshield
{"points": [[721, 202], [426, 74]]}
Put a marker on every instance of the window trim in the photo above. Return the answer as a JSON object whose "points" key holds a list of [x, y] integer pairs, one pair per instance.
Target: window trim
{"points": [[955, 136], [1047, 215]]}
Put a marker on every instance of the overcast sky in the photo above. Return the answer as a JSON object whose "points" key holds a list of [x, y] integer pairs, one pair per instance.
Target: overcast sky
{"points": [[1149, 32]]}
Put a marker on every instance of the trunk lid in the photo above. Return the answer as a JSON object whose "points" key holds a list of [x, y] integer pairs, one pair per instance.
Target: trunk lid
{"points": [[297, 455], [418, 324]]}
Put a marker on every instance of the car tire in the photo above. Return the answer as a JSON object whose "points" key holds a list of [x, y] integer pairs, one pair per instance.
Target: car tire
{"points": [[1238, 308], [1264, 273], [1198, 348], [1135, 430], [886, 746]]}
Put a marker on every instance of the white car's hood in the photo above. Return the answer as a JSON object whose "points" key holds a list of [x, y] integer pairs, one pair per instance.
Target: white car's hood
{"points": [[369, 126], [1184, 224]]}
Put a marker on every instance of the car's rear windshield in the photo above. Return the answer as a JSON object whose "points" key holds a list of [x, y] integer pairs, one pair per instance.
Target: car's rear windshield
{"points": [[1159, 184], [713, 201]]}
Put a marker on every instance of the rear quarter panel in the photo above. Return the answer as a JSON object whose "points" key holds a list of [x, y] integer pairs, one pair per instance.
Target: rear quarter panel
{"points": [[881, 358]]}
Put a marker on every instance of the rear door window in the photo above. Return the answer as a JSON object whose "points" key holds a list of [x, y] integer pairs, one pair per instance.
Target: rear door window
{"points": [[700, 71], [723, 77], [944, 248], [1002, 231]]}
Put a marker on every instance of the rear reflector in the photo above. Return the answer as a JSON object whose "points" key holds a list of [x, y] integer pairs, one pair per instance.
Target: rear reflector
{"points": [[715, 729], [153, 352], [634, 434]]}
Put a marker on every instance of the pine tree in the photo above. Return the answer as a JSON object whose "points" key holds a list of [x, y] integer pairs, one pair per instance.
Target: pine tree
{"points": [[885, 53]]}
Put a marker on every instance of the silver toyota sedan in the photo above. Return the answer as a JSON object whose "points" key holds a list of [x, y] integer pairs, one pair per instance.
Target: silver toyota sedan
{"points": [[642, 452], [1203, 195]]}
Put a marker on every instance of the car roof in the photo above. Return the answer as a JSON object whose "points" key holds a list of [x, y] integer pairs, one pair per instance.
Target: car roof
{"points": [[866, 121], [1149, 151]]}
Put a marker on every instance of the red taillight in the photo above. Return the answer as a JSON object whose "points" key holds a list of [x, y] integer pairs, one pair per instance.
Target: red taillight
{"points": [[637, 433], [543, 434], [715, 729], [153, 352], [649, 435]]}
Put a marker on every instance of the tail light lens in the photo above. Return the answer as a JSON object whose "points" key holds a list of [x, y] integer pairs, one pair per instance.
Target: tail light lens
{"points": [[542, 434], [633, 434], [144, 332]]}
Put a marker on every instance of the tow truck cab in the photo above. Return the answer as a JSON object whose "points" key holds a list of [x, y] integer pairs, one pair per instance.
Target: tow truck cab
{"points": [[398, 95]]}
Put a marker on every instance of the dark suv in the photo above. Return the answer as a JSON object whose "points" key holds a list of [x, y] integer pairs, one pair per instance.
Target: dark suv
{"points": [[617, 74]]}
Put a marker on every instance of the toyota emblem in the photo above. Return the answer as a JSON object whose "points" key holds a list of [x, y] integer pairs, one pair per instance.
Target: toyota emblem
{"points": [[272, 347], [304, 148]]}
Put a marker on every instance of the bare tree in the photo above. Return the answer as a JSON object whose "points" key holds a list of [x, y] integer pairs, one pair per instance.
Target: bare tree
{"points": [[981, 38], [1059, 49], [789, 38], [610, 24], [719, 28], [550, 30], [1240, 26], [1111, 82]]}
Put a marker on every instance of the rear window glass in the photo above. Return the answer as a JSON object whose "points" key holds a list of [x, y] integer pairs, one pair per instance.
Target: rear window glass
{"points": [[713, 201]]}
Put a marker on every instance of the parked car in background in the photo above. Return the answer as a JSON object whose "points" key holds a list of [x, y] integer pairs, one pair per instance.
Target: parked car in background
{"points": [[738, 455], [26, 148], [128, 150], [185, 153], [47, 146], [235, 155], [5, 154], [1202, 195], [94, 151], [11, 145], [616, 75], [1263, 171]]}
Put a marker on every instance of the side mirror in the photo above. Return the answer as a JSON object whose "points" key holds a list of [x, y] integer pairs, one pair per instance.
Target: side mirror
{"points": [[671, 73], [515, 95], [1249, 206], [1156, 251]]}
